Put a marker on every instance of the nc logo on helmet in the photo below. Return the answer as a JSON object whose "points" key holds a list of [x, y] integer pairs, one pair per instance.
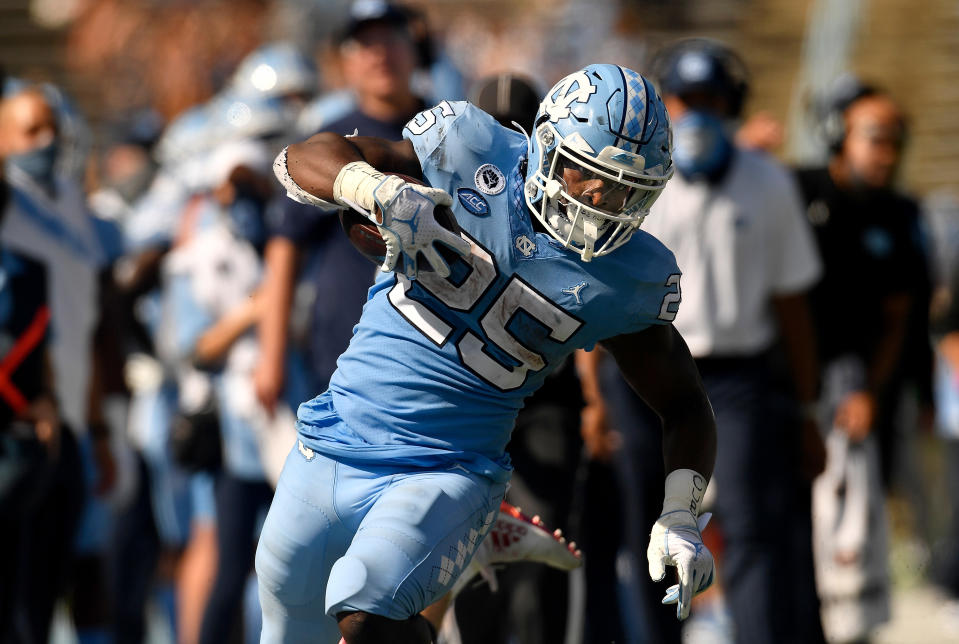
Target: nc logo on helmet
{"points": [[557, 103]]}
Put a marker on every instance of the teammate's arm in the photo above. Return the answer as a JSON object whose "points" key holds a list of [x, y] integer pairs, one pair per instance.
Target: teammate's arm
{"points": [[657, 364]]}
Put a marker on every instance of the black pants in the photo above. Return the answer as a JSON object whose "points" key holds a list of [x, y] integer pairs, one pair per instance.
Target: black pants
{"points": [[133, 556], [41, 498], [764, 516], [238, 505], [640, 472]]}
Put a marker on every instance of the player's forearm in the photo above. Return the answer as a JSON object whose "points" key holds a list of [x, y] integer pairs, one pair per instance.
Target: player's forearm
{"points": [[689, 438], [657, 365], [315, 164]]}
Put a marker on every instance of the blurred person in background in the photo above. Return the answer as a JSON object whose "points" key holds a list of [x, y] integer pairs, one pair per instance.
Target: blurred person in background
{"points": [[943, 212], [36, 457], [734, 219], [165, 543], [436, 78], [47, 218], [870, 306], [210, 277], [125, 167], [170, 530], [864, 226], [378, 59]]}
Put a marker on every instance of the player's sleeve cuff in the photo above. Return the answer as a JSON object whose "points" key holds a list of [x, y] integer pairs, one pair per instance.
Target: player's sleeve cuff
{"points": [[293, 189]]}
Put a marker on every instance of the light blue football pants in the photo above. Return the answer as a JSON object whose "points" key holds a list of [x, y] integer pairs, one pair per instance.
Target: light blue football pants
{"points": [[347, 538]]}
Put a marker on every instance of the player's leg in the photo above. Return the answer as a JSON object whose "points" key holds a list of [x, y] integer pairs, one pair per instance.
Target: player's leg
{"points": [[409, 549], [301, 538]]}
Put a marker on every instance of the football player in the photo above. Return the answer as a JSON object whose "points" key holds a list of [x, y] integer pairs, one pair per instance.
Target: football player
{"points": [[400, 465]]}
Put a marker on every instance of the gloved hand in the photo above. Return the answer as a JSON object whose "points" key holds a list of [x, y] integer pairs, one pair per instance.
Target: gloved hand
{"points": [[409, 226], [676, 540], [403, 213]]}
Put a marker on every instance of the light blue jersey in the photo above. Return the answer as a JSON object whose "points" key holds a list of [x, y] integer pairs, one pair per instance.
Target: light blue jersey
{"points": [[438, 368]]}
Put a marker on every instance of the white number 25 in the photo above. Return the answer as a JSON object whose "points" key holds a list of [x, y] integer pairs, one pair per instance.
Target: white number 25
{"points": [[472, 349]]}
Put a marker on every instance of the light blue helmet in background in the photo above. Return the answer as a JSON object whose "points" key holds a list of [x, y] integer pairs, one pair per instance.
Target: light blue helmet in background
{"points": [[191, 133], [275, 70], [601, 132], [249, 116]]}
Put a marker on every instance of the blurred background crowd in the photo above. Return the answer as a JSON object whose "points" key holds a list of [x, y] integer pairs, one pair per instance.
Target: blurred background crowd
{"points": [[164, 308]]}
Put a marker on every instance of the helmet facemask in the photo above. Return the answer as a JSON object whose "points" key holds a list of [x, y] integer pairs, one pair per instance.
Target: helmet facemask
{"points": [[592, 203]]}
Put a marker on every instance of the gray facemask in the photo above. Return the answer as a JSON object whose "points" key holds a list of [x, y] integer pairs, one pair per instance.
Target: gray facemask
{"points": [[37, 163]]}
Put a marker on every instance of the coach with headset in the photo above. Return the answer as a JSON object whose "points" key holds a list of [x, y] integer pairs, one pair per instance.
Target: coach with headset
{"points": [[868, 237], [871, 315], [734, 220]]}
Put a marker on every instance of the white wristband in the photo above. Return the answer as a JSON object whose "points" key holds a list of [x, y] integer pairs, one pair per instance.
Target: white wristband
{"points": [[293, 189], [355, 184], [684, 491]]}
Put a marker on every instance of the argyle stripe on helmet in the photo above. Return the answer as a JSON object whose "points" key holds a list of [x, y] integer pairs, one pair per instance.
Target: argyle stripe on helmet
{"points": [[634, 120]]}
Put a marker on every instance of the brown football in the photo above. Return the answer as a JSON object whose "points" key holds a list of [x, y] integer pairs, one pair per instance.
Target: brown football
{"points": [[366, 238]]}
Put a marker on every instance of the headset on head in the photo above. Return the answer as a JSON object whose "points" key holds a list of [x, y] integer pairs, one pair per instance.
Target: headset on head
{"points": [[737, 74], [845, 90]]}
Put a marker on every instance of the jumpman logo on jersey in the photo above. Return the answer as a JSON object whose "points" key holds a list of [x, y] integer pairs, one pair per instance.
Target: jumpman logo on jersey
{"points": [[575, 291]]}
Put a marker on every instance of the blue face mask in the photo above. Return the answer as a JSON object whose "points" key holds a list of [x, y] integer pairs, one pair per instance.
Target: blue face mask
{"points": [[703, 149], [37, 163]]}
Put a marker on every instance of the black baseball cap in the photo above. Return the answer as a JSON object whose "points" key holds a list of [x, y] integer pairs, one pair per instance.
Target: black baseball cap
{"points": [[364, 12], [507, 97]]}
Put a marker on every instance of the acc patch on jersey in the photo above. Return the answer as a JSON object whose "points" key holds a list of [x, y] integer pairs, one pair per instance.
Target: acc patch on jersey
{"points": [[490, 179], [473, 201]]}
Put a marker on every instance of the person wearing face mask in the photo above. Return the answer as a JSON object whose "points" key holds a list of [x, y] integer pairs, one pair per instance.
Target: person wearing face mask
{"points": [[46, 217], [733, 218]]}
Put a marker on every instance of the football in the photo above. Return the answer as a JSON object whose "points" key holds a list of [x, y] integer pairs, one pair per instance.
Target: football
{"points": [[366, 238]]}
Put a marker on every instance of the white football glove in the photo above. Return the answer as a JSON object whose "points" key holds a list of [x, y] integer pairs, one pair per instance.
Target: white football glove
{"points": [[676, 540], [403, 213]]}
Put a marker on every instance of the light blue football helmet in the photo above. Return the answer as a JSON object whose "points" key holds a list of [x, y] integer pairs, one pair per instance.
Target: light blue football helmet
{"points": [[193, 132], [599, 156], [275, 70], [240, 116]]}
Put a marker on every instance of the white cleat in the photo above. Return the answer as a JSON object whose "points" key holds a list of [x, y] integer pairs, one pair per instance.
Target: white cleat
{"points": [[517, 537]]}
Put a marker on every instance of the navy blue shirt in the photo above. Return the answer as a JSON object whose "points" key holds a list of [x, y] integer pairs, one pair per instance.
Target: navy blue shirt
{"points": [[338, 274]]}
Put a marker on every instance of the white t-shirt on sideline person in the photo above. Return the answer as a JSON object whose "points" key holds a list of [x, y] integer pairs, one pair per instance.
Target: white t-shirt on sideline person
{"points": [[738, 244]]}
